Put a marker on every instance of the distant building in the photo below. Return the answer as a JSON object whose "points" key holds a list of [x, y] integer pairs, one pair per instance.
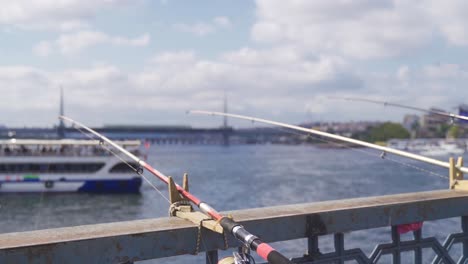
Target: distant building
{"points": [[433, 119], [411, 122], [346, 129], [433, 125], [463, 111]]}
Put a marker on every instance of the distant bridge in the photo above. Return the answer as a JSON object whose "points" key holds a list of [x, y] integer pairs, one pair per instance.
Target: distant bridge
{"points": [[164, 134]]}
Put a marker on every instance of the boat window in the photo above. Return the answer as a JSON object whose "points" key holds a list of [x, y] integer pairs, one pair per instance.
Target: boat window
{"points": [[50, 167], [123, 167]]}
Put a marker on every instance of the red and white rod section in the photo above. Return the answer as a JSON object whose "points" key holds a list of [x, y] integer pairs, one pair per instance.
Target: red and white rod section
{"points": [[264, 250]]}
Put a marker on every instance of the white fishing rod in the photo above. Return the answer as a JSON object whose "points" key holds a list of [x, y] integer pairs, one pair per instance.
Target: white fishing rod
{"points": [[263, 249], [337, 137], [442, 113]]}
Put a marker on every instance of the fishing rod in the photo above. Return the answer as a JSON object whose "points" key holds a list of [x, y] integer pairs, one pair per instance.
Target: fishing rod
{"points": [[441, 113], [337, 137], [249, 240]]}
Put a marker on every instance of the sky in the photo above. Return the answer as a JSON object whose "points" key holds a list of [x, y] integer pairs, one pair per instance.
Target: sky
{"points": [[149, 61]]}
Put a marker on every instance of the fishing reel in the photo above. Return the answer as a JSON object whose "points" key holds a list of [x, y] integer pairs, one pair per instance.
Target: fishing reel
{"points": [[241, 257]]}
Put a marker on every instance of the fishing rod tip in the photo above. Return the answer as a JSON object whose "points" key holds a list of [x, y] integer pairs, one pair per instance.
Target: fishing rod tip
{"points": [[64, 118], [338, 98], [195, 111]]}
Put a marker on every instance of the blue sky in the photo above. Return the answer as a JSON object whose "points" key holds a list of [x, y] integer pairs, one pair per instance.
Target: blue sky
{"points": [[156, 18], [147, 62]]}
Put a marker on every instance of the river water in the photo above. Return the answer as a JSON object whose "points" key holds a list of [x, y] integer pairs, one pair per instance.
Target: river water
{"points": [[239, 177]]}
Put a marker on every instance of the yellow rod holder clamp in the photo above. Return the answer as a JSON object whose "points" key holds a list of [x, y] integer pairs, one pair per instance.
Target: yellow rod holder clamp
{"points": [[456, 176], [174, 195], [181, 207]]}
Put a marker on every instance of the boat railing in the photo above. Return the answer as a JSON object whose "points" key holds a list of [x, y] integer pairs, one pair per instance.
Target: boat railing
{"points": [[16, 152], [132, 241], [94, 151]]}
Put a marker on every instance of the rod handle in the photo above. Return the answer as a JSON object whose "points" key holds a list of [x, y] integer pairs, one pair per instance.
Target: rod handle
{"points": [[270, 254], [277, 258]]}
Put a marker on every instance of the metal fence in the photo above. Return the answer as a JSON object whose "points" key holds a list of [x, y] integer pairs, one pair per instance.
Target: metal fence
{"points": [[127, 242]]}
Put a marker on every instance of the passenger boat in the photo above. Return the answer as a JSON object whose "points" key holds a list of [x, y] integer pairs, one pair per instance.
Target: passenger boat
{"points": [[429, 147], [65, 165], [443, 148]]}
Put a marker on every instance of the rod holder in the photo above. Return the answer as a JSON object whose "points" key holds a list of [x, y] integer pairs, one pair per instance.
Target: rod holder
{"points": [[182, 208], [456, 175]]}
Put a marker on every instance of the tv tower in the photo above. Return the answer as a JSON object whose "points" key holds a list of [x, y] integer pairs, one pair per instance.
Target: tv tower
{"points": [[225, 127], [61, 127]]}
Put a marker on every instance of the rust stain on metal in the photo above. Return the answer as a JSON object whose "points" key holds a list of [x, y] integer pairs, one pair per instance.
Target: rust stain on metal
{"points": [[401, 211], [425, 210], [386, 211], [354, 217], [118, 247], [315, 225], [45, 251]]}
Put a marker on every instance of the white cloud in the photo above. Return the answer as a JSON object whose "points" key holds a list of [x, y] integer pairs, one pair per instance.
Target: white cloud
{"points": [[141, 41], [222, 21], [204, 28], [450, 17], [360, 29], [440, 85], [310, 54], [71, 43], [52, 14], [43, 49], [184, 57], [279, 83], [173, 82], [199, 28], [74, 42], [403, 74], [444, 71], [71, 25]]}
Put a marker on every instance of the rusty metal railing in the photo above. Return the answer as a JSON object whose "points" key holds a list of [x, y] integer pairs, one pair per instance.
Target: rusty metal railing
{"points": [[126, 242]]}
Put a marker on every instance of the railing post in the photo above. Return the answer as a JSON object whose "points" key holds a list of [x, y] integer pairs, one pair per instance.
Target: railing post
{"points": [[464, 222], [418, 251], [339, 247], [396, 242], [212, 257], [313, 246]]}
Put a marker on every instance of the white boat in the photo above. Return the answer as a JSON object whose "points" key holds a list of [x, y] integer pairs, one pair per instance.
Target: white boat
{"points": [[442, 148], [65, 165], [429, 147]]}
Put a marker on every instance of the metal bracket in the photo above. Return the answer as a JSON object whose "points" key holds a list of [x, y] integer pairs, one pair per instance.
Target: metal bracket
{"points": [[181, 207], [456, 175]]}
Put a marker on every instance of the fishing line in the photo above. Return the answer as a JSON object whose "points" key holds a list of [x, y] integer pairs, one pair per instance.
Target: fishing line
{"points": [[430, 173], [38, 215], [136, 170], [263, 249], [452, 116]]}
